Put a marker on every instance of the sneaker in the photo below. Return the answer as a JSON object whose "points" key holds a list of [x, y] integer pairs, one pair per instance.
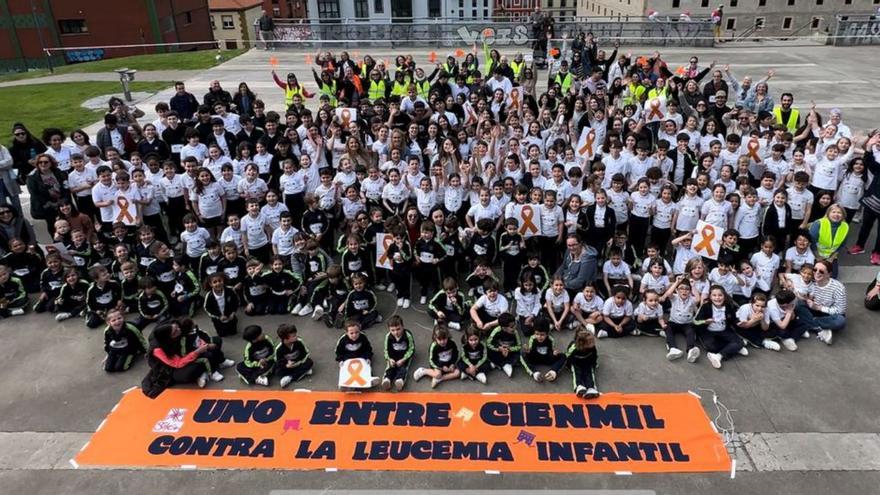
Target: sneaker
{"points": [[62, 316], [743, 351], [462, 376], [806, 334], [591, 393], [296, 309], [374, 381], [662, 333], [423, 300], [285, 381], [481, 377], [769, 344], [454, 325], [825, 336], [602, 334], [550, 376], [693, 354], [674, 353], [379, 318], [398, 384], [636, 332], [714, 360], [386, 384], [875, 258], [305, 310], [405, 303], [217, 376], [309, 372], [318, 313], [508, 370], [390, 287], [581, 391], [16, 312], [789, 344], [856, 249], [435, 382], [202, 381], [399, 302], [262, 380], [227, 363], [857, 218], [538, 376], [419, 374], [380, 286]]}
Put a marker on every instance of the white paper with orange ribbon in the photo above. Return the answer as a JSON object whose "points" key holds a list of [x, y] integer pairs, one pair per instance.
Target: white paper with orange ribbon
{"points": [[655, 109], [514, 99], [124, 211], [470, 114], [346, 116], [586, 147], [707, 240], [355, 373], [754, 148], [383, 242], [529, 219]]}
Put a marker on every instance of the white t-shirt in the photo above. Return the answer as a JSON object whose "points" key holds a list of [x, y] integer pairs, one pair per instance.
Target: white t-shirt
{"points": [[688, 213], [254, 227], [493, 308], [798, 259], [78, 179], [612, 310], [557, 302], [594, 304], [209, 201], [100, 192], [283, 241], [663, 213], [613, 271], [196, 241]]}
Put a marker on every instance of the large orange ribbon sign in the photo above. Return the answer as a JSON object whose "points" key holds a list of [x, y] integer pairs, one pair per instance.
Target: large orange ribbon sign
{"points": [[124, 216], [345, 116], [708, 233], [355, 366], [387, 241], [753, 147], [514, 98], [527, 214], [587, 148], [655, 109]]}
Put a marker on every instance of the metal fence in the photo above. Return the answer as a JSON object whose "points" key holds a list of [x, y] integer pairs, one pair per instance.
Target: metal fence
{"points": [[449, 34], [857, 30]]}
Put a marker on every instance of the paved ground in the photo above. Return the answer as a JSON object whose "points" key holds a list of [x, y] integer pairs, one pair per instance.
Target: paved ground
{"points": [[798, 409]]}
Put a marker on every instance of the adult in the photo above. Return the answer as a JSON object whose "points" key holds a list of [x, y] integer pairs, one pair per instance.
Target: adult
{"points": [[244, 100], [111, 135], [184, 103], [716, 16], [267, 29], [824, 311], [872, 294], [25, 148], [829, 234], [14, 226], [170, 365], [9, 189], [47, 186], [786, 114], [126, 115], [578, 265], [216, 94], [870, 201]]}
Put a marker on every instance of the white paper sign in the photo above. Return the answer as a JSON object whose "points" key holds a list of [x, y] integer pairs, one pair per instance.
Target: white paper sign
{"points": [[355, 373], [707, 240], [529, 220], [383, 242]]}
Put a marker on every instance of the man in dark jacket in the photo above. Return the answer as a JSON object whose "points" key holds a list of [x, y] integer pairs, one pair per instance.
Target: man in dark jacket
{"points": [[267, 30], [217, 95], [185, 104]]}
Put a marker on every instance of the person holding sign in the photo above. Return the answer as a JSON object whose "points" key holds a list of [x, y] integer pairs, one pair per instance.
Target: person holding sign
{"points": [[352, 349]]}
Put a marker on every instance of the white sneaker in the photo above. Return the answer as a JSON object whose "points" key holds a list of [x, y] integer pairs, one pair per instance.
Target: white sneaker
{"points": [[769, 344], [674, 353], [227, 363], [462, 376], [318, 313], [386, 383], [16, 312], [591, 393], [374, 381], [405, 303], [398, 384], [508, 370], [295, 310], [380, 286], [550, 376], [602, 334], [305, 310], [285, 381], [423, 300], [825, 336], [390, 287], [714, 360], [581, 391], [62, 316], [454, 325], [662, 334], [419, 374], [636, 332], [262, 380], [693, 354], [481, 377], [806, 334], [399, 302], [435, 382], [743, 351], [378, 318], [217, 376], [790, 344], [203, 380], [310, 371], [538, 376]]}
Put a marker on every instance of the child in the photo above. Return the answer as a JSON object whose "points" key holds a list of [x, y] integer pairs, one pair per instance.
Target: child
{"points": [[282, 238], [143, 249], [283, 286], [354, 344], [504, 344], [26, 266], [557, 305], [725, 275], [682, 309], [536, 271], [427, 255], [489, 307], [617, 315], [194, 338], [356, 259], [448, 305], [316, 223], [528, 305], [616, 272], [208, 200], [315, 266], [443, 359], [292, 361], [649, 315], [210, 261], [232, 266], [583, 358], [72, 296], [51, 282], [253, 290], [232, 232], [766, 264], [474, 362], [800, 253], [259, 357], [715, 322], [587, 307], [255, 232], [103, 295], [754, 323], [122, 342], [195, 239], [13, 297], [184, 299], [360, 304], [482, 273], [541, 351], [401, 255], [511, 248], [399, 349], [327, 297], [221, 304], [780, 311], [152, 306], [777, 221]]}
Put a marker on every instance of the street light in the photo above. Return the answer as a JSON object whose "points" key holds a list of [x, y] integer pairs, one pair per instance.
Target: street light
{"points": [[126, 75]]}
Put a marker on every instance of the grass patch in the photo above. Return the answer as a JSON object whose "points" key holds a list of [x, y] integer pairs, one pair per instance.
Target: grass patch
{"points": [[39, 106], [196, 60]]}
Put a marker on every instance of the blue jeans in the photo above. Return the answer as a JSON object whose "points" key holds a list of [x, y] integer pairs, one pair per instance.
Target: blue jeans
{"points": [[814, 320]]}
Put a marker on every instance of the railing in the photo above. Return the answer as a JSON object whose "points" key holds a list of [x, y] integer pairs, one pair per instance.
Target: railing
{"points": [[857, 30], [460, 33]]}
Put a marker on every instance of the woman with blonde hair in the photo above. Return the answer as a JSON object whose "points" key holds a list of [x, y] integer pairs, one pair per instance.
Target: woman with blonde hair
{"points": [[829, 235]]}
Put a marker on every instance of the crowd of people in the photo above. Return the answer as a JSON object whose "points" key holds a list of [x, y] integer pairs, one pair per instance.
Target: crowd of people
{"points": [[521, 214]]}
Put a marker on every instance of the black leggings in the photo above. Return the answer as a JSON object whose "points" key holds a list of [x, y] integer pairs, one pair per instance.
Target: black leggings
{"points": [[868, 219]]}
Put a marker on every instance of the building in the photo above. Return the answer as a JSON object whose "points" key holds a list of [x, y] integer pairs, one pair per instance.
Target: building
{"points": [[778, 18], [95, 25], [232, 21], [287, 9], [402, 10]]}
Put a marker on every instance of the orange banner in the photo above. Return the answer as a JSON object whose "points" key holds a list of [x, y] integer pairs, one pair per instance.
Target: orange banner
{"points": [[409, 431]]}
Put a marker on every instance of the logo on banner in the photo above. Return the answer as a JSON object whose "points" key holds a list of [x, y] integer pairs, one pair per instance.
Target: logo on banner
{"points": [[171, 423], [707, 241]]}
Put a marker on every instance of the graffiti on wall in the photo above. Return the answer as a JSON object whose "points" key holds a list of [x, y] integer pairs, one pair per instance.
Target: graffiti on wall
{"points": [[862, 32]]}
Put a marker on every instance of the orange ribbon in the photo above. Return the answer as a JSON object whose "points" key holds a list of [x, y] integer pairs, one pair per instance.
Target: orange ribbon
{"points": [[345, 115], [655, 109], [514, 98], [587, 148], [708, 234], [124, 216], [354, 369], [527, 214], [753, 147], [387, 241]]}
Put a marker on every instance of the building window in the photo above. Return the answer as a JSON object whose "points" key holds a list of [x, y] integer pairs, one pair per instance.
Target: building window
{"points": [[704, 3], [361, 9], [276, 11], [227, 22], [676, 4], [562, 3], [213, 24], [820, 2], [847, 2], [187, 17], [328, 9], [815, 23], [731, 23], [762, 3], [379, 6], [759, 22], [72, 26], [733, 3], [434, 8], [786, 23]]}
